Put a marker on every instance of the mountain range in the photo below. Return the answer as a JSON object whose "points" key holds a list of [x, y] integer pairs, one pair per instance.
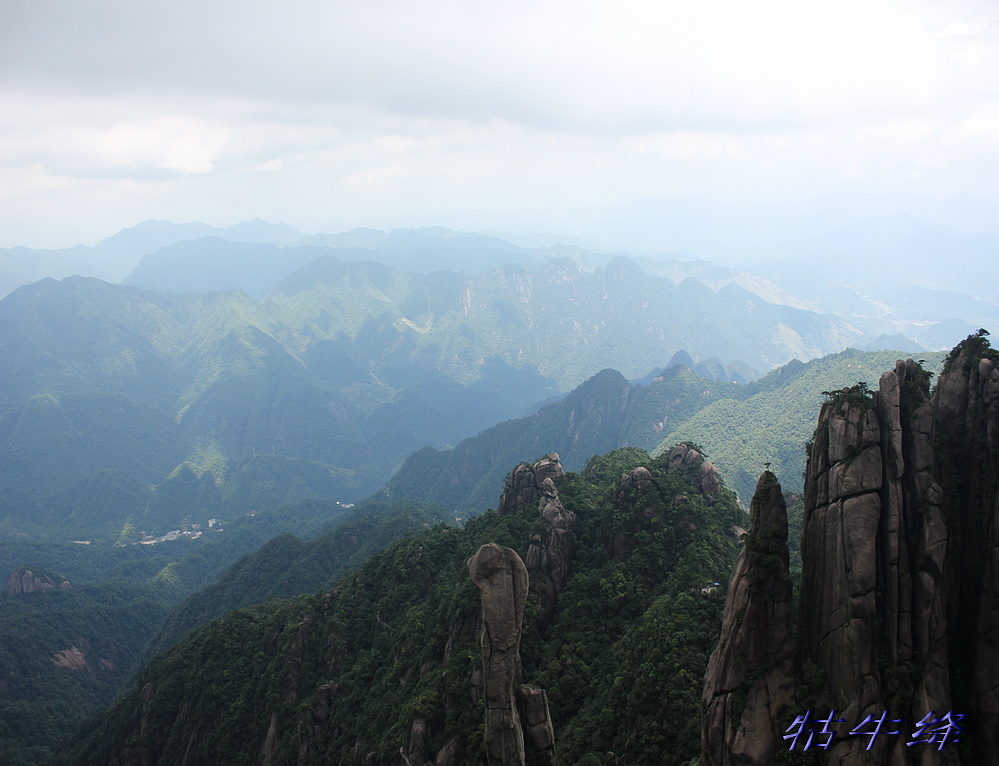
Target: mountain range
{"points": [[127, 409], [234, 390], [574, 620]]}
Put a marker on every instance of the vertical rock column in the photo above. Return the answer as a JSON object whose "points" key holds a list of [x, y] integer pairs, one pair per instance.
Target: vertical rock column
{"points": [[536, 721], [550, 552], [838, 609], [966, 436], [502, 580], [912, 551], [749, 681]]}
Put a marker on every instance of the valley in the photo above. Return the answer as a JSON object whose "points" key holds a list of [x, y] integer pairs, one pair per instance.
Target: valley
{"points": [[476, 384], [333, 409]]}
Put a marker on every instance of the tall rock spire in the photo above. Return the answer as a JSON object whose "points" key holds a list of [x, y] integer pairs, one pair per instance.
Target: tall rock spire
{"points": [[872, 617], [966, 408], [518, 729], [749, 682], [501, 577]]}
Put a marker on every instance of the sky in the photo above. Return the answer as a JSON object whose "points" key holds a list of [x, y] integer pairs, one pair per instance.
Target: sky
{"points": [[521, 116]]}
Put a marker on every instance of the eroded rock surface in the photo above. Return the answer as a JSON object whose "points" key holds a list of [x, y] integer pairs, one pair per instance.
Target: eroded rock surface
{"points": [[550, 551], [749, 684], [684, 457], [535, 718], [966, 408], [501, 577], [25, 580], [518, 724], [899, 597], [873, 616], [524, 484]]}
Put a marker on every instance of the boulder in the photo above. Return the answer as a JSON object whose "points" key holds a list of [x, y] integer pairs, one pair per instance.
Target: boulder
{"points": [[523, 485]]}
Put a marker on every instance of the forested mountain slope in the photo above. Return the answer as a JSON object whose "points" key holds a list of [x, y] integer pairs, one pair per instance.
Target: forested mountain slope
{"points": [[287, 565], [75, 619], [620, 556], [740, 426], [78, 621], [124, 410], [772, 419], [64, 652]]}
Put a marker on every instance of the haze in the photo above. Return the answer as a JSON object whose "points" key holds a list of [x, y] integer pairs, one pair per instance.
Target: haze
{"points": [[549, 116]]}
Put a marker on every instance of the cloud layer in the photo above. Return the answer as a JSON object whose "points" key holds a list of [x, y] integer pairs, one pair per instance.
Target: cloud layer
{"points": [[401, 113]]}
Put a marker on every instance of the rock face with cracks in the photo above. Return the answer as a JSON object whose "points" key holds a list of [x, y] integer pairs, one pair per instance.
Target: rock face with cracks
{"points": [[749, 681], [501, 578], [898, 607], [518, 727], [525, 484]]}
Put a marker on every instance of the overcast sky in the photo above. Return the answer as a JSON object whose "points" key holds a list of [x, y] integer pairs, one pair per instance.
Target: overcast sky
{"points": [[476, 115]]}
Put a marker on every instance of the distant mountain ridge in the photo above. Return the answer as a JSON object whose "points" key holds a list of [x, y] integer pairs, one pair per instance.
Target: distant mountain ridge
{"points": [[120, 402], [114, 257], [741, 427], [909, 270]]}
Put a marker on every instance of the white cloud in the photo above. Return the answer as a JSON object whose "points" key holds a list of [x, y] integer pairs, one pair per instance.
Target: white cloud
{"points": [[978, 26], [980, 128], [392, 108]]}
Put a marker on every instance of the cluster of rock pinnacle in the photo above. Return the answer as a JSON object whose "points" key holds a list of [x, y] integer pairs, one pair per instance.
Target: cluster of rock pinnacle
{"points": [[898, 604]]}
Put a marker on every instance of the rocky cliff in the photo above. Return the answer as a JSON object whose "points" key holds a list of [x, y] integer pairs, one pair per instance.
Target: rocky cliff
{"points": [[525, 483], [898, 611], [749, 681], [29, 580]]}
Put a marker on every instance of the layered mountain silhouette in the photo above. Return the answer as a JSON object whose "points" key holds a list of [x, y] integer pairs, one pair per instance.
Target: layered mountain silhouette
{"points": [[598, 596], [123, 404], [740, 426]]}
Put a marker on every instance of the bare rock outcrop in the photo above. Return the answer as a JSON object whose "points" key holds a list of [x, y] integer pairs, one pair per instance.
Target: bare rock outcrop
{"points": [[518, 727], [550, 551], [838, 607], [549, 554], [536, 720], [524, 484], [501, 577], [71, 659], [451, 753], [898, 608], [749, 684], [640, 478], [27, 580], [415, 751], [966, 408], [912, 551], [872, 612], [684, 457]]}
